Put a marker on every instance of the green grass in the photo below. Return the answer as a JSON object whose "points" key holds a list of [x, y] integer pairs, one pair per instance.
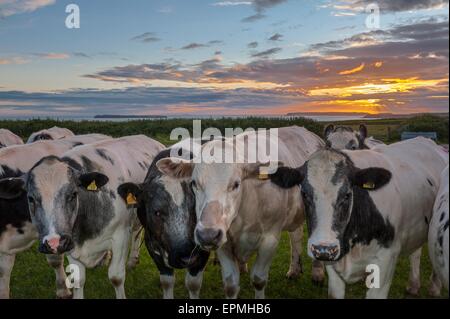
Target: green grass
{"points": [[32, 277]]}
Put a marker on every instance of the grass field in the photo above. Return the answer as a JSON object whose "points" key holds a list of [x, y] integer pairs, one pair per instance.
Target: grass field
{"points": [[32, 278]]}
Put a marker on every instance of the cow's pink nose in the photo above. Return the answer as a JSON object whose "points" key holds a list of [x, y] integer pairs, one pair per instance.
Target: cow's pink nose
{"points": [[53, 243]]}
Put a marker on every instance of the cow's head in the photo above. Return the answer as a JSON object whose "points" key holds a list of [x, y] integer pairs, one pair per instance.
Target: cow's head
{"points": [[217, 187], [342, 137], [166, 209], [330, 184], [53, 188]]}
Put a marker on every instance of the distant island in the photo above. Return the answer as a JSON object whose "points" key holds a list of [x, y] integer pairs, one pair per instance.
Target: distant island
{"points": [[113, 116], [364, 115]]}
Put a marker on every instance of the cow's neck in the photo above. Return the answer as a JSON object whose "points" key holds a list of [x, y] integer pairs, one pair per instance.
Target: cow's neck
{"points": [[366, 223]]}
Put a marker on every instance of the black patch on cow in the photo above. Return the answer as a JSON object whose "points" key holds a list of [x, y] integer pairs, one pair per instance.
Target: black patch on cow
{"points": [[103, 154], [88, 165], [42, 136], [75, 144], [430, 182], [72, 163], [10, 172], [2, 145], [427, 221]]}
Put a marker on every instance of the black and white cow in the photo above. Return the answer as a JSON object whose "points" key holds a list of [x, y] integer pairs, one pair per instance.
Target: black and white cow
{"points": [[16, 231], [53, 133], [75, 206], [367, 207], [8, 138], [438, 235], [166, 208], [345, 138], [239, 213]]}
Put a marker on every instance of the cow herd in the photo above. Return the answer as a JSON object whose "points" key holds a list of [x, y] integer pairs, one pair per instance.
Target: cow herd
{"points": [[90, 198]]}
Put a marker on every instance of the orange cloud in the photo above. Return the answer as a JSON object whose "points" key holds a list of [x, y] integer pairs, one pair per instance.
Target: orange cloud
{"points": [[352, 71], [378, 64]]}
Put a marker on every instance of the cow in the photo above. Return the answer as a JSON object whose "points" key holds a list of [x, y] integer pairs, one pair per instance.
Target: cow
{"points": [[75, 207], [166, 209], [365, 208], [53, 133], [344, 137], [16, 230], [8, 138], [438, 233], [238, 212]]}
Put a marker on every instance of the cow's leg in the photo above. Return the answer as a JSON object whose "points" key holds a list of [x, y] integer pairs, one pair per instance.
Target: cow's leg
{"points": [[318, 273], [434, 290], [260, 271], [136, 241], [167, 284], [230, 272], [57, 263], [116, 270], [79, 278], [414, 273], [336, 286], [6, 266], [386, 263], [296, 267], [193, 283]]}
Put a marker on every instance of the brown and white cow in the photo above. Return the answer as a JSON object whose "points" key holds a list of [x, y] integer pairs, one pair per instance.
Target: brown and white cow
{"points": [[438, 234], [365, 208], [53, 133], [238, 213], [345, 138], [8, 138], [75, 207], [16, 230]]}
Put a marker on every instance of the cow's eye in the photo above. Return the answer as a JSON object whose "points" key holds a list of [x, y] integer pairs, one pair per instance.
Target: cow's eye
{"points": [[157, 213], [348, 196], [30, 200], [32, 204], [194, 184], [73, 196], [236, 185]]}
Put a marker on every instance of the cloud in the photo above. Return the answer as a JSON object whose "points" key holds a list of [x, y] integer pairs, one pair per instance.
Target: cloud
{"points": [[266, 53], [348, 7], [146, 37], [354, 70], [232, 3], [81, 55], [12, 7], [193, 45], [276, 37], [260, 7], [252, 45], [13, 60], [215, 42], [52, 56]]}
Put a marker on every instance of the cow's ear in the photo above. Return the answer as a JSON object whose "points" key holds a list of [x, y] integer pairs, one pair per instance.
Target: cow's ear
{"points": [[12, 188], [175, 167], [93, 181], [328, 130], [260, 170], [130, 192], [371, 178], [287, 177]]}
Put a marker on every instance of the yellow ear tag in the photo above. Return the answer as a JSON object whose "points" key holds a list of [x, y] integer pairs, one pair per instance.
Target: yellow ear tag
{"points": [[369, 185], [92, 186], [131, 199], [263, 176]]}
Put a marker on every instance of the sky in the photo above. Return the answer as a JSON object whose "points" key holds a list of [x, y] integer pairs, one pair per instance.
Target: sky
{"points": [[214, 57]]}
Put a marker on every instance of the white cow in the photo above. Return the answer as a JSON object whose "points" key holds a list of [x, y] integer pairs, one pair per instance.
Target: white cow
{"points": [[365, 208], [238, 213], [75, 206], [8, 138], [16, 231], [53, 133], [438, 233]]}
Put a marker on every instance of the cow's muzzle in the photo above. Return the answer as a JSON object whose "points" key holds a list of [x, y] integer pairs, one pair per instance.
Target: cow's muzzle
{"points": [[56, 245], [209, 238], [325, 252]]}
